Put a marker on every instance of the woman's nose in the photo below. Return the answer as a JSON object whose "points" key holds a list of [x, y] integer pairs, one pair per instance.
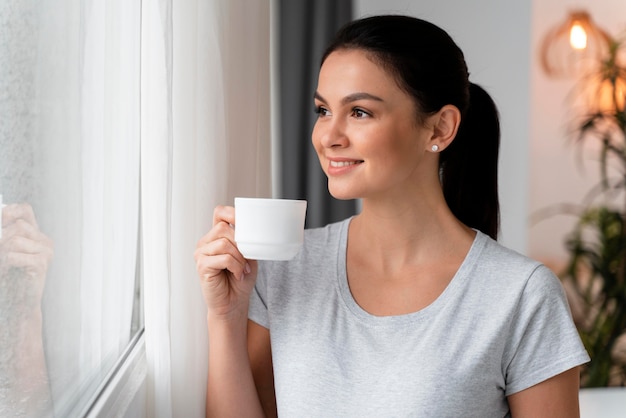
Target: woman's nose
{"points": [[333, 134]]}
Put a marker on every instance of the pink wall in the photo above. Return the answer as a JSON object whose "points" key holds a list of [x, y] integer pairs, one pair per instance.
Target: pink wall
{"points": [[558, 172]]}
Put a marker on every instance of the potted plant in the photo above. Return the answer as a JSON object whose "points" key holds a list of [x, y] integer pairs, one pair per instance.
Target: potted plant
{"points": [[596, 269]]}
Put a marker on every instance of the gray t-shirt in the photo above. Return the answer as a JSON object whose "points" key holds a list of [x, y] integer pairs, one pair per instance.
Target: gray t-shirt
{"points": [[502, 325]]}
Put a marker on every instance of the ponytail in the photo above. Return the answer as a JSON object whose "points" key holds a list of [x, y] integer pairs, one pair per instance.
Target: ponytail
{"points": [[469, 166]]}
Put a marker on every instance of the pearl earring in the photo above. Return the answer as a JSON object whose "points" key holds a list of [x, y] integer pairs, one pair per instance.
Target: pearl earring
{"points": [[435, 148]]}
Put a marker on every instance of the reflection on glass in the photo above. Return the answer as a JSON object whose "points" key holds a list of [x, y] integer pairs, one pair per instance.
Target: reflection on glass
{"points": [[69, 177], [25, 253]]}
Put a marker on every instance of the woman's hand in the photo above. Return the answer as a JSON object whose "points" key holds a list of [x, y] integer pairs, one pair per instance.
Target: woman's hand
{"points": [[25, 253], [226, 277]]}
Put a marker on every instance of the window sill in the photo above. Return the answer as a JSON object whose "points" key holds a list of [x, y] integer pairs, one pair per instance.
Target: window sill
{"points": [[122, 393]]}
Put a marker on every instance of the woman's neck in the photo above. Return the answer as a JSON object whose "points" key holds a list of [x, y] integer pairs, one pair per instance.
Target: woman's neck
{"points": [[401, 257], [402, 232]]}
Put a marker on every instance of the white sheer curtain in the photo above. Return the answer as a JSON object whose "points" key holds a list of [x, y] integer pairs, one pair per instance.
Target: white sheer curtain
{"points": [[205, 138], [69, 148], [89, 154], [110, 187], [111, 110]]}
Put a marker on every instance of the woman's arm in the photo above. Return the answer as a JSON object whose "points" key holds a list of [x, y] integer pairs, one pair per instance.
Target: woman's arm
{"points": [[231, 390], [25, 253], [260, 354], [556, 397], [227, 279]]}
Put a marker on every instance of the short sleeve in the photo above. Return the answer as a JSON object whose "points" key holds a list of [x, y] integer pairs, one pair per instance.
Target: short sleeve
{"points": [[257, 310], [543, 339]]}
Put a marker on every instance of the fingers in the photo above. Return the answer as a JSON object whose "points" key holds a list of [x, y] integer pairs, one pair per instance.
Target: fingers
{"points": [[22, 228], [16, 243], [24, 247], [217, 251], [14, 212], [223, 222], [33, 256], [22, 236], [23, 244], [224, 214], [216, 256], [19, 228]]}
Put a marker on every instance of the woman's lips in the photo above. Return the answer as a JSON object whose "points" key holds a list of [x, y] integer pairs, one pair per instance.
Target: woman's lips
{"points": [[336, 167], [343, 163]]}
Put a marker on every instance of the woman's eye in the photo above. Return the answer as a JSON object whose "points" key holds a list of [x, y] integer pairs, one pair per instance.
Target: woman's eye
{"points": [[321, 111], [359, 113]]}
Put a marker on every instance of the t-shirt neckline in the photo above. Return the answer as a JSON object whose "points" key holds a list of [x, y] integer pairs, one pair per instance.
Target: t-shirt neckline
{"points": [[459, 278]]}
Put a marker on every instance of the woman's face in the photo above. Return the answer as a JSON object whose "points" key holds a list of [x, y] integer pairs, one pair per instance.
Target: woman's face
{"points": [[367, 137]]}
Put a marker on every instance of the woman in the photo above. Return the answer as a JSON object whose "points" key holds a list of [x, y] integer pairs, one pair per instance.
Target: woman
{"points": [[409, 308]]}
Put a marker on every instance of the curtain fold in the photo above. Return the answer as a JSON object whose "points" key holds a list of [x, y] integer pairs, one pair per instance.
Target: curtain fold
{"points": [[305, 28], [205, 140], [156, 177], [110, 179]]}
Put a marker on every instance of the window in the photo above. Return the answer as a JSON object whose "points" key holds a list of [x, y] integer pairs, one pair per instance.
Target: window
{"points": [[69, 177]]}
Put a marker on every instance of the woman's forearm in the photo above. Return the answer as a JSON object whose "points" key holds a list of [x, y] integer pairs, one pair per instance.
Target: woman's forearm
{"points": [[24, 388], [231, 391]]}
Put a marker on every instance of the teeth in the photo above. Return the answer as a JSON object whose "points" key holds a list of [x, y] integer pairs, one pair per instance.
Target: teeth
{"points": [[343, 163]]}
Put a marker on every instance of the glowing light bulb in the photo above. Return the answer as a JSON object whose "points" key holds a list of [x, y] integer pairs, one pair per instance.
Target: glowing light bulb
{"points": [[578, 36]]}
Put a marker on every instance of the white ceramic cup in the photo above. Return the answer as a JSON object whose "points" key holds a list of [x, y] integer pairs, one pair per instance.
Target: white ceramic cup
{"points": [[269, 229]]}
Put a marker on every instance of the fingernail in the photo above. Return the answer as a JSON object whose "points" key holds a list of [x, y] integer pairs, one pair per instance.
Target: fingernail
{"points": [[247, 268]]}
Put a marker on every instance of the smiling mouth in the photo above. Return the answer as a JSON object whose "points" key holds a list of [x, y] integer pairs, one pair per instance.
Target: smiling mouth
{"points": [[344, 163]]}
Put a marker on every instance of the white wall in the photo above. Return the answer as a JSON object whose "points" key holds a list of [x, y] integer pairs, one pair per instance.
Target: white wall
{"points": [[556, 175], [495, 37]]}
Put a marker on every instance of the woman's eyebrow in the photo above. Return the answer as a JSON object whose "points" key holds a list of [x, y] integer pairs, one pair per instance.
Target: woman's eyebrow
{"points": [[352, 97]]}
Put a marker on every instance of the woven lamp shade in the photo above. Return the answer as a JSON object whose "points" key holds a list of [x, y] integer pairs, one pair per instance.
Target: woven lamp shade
{"points": [[574, 48]]}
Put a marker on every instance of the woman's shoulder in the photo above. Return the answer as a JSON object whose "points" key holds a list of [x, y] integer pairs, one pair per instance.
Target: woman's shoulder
{"points": [[510, 266], [321, 244], [505, 257], [330, 230]]}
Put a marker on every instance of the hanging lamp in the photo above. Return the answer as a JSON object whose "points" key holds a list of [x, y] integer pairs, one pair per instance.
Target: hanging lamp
{"points": [[575, 47]]}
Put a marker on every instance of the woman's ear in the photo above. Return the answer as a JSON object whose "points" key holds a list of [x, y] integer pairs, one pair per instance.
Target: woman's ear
{"points": [[445, 125]]}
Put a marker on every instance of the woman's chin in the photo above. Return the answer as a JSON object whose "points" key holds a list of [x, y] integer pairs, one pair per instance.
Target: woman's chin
{"points": [[342, 194]]}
